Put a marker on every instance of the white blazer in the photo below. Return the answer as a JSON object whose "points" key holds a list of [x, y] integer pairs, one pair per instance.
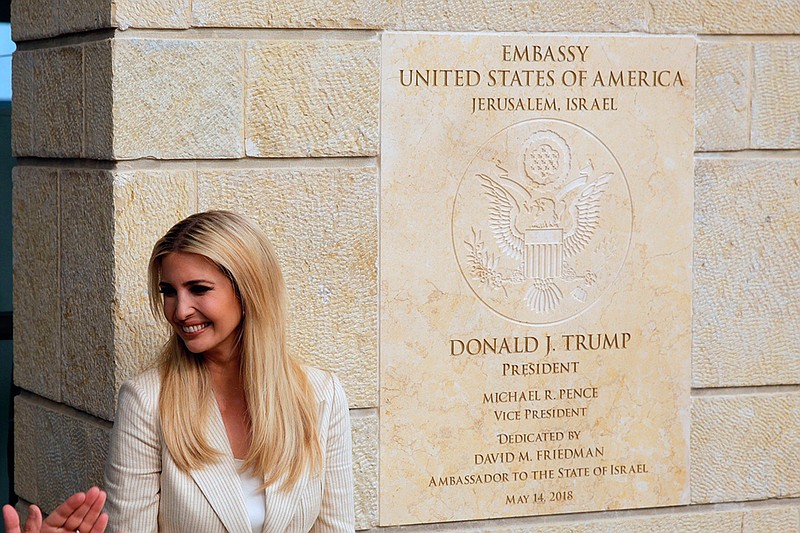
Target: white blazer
{"points": [[148, 493]]}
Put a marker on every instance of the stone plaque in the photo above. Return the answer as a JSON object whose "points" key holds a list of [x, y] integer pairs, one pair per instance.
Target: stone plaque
{"points": [[535, 274]]}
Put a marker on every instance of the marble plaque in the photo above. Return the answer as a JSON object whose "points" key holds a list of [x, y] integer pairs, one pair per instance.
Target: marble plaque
{"points": [[535, 274]]}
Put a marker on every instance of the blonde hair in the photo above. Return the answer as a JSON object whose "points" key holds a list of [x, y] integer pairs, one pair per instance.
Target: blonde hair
{"points": [[280, 401]]}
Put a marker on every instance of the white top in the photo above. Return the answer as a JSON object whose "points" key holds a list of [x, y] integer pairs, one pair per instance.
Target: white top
{"points": [[253, 498]]}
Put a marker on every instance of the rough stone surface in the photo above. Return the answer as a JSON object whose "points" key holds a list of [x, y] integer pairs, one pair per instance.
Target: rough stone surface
{"points": [[23, 103], [661, 522], [722, 99], [510, 15], [323, 224], [58, 113], [745, 447], [112, 220], [776, 111], [771, 521], [153, 13], [37, 347], [146, 205], [365, 467], [58, 451], [99, 120], [84, 15], [26, 478], [37, 19], [312, 98], [724, 16], [34, 19], [177, 99], [314, 14], [87, 288], [746, 289]]}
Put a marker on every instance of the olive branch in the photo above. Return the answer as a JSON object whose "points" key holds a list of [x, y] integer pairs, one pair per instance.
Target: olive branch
{"points": [[483, 265]]}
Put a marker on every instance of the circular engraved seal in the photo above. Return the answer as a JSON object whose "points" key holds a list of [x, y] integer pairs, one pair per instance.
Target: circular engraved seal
{"points": [[542, 221]]}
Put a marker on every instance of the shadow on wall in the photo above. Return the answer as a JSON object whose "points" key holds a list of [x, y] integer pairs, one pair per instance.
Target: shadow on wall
{"points": [[7, 390]]}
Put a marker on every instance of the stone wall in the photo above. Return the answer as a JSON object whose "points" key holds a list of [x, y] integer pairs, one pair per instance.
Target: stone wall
{"points": [[131, 114]]}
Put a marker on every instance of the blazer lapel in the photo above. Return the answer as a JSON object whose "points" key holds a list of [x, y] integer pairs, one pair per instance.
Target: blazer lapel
{"points": [[220, 482]]}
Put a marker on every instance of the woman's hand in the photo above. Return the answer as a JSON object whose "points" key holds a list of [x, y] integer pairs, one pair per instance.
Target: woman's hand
{"points": [[80, 512]]}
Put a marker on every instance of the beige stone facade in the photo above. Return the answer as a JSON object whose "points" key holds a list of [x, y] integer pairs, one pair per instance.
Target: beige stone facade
{"points": [[130, 114]]}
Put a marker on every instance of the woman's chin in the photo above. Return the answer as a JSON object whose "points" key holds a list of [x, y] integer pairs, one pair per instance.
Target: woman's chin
{"points": [[192, 346]]}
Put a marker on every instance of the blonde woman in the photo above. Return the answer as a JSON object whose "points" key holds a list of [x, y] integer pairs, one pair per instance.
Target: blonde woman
{"points": [[229, 432]]}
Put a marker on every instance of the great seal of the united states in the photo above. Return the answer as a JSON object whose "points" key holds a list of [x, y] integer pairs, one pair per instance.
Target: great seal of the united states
{"points": [[542, 221]]}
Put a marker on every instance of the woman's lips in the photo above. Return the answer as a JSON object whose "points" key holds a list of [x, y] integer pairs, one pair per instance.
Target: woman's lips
{"points": [[195, 328]]}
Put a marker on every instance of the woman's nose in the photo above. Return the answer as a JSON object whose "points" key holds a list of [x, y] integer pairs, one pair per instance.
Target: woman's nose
{"points": [[183, 307]]}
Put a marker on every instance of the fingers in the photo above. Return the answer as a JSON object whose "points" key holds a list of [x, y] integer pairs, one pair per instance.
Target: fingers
{"points": [[64, 511], [89, 521], [81, 511], [76, 518], [33, 524], [99, 526], [10, 519], [78, 513]]}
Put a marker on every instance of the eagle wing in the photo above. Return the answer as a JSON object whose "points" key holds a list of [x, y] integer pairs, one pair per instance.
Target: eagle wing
{"points": [[585, 210], [503, 211]]}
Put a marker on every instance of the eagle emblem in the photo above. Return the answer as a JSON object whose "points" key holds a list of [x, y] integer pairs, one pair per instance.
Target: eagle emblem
{"points": [[541, 219]]}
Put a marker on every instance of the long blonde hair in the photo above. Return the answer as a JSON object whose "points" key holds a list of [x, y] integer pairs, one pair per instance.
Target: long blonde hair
{"points": [[280, 401]]}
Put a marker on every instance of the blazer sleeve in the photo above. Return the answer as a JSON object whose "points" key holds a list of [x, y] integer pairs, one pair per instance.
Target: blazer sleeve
{"points": [[337, 514], [133, 467]]}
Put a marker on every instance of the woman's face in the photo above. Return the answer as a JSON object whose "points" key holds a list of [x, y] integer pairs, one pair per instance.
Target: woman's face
{"points": [[201, 304]]}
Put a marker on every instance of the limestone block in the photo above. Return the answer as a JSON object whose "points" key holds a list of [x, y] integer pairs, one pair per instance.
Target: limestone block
{"points": [[99, 119], [723, 96], [58, 451], [85, 15], [25, 463], [316, 14], [312, 98], [365, 466], [37, 19], [23, 103], [745, 447], [34, 19], [177, 99], [153, 13], [771, 521], [146, 205], [510, 15], [112, 220], [87, 289], [657, 522], [724, 17], [37, 347], [746, 323], [323, 224], [776, 111], [58, 109]]}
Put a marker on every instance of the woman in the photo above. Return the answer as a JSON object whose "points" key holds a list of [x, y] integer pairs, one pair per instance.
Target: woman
{"points": [[228, 432]]}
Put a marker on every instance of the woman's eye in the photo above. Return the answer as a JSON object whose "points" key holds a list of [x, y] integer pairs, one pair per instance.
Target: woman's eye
{"points": [[200, 289], [167, 291]]}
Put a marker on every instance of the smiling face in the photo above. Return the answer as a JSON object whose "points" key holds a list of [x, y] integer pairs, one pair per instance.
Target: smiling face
{"points": [[201, 305]]}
